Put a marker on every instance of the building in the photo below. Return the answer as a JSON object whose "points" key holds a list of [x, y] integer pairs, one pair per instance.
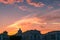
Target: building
{"points": [[55, 35], [32, 35], [4, 36]]}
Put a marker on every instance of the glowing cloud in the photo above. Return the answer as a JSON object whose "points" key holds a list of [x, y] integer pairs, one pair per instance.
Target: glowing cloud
{"points": [[39, 4], [44, 23], [28, 24], [23, 8], [33, 20], [10, 1]]}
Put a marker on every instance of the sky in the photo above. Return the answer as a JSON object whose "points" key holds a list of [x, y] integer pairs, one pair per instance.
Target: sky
{"points": [[42, 15]]}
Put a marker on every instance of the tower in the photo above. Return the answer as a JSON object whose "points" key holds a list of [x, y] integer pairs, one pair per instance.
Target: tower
{"points": [[19, 33]]}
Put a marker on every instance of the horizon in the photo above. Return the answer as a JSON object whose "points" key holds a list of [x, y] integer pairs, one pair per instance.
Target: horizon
{"points": [[29, 31]]}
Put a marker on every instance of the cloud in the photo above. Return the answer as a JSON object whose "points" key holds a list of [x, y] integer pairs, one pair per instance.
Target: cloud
{"points": [[7, 2], [29, 9], [53, 19], [46, 23], [58, 4], [52, 15], [49, 7], [28, 23], [10, 1], [19, 1], [39, 4], [23, 8]]}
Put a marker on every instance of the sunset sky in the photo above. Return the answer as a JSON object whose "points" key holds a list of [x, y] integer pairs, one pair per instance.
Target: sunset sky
{"points": [[42, 15]]}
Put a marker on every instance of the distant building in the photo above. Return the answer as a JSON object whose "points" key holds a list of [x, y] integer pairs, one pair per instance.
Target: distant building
{"points": [[43, 37], [32, 35], [4, 36], [55, 35]]}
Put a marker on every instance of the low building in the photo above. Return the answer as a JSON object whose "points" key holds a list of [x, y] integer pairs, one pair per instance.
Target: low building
{"points": [[4, 36], [55, 35], [32, 35]]}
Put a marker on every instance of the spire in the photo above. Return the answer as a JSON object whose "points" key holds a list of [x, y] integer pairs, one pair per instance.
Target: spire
{"points": [[19, 33]]}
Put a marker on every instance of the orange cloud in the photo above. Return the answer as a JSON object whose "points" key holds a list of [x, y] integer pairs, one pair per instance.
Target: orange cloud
{"points": [[2, 29], [23, 8], [28, 24], [53, 19], [26, 8], [12, 30], [45, 23], [39, 4], [19, 1], [7, 2], [10, 1]]}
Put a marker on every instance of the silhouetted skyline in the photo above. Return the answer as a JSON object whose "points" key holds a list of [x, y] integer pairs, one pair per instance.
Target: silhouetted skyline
{"points": [[31, 35]]}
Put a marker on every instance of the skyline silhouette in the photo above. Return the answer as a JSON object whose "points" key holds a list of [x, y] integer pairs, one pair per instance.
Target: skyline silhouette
{"points": [[31, 35]]}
